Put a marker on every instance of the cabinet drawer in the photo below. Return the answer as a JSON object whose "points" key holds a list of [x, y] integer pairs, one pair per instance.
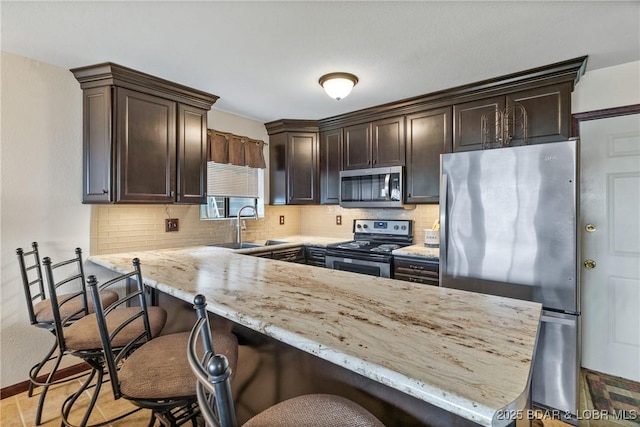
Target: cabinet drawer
{"points": [[290, 255], [417, 279], [316, 256], [416, 270], [413, 266]]}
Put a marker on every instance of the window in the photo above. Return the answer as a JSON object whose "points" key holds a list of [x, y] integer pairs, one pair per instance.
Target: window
{"points": [[226, 207], [230, 187]]}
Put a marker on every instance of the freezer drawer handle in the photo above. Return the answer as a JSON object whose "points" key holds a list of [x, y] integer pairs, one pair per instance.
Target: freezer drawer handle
{"points": [[557, 320]]}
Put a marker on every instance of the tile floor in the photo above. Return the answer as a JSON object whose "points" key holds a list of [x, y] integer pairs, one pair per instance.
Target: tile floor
{"points": [[19, 410]]}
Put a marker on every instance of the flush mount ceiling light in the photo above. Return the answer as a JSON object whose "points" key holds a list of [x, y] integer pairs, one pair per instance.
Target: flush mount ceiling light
{"points": [[338, 85]]}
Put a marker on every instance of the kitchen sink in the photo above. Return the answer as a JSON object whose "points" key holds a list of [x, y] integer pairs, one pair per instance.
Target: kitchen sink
{"points": [[274, 242], [234, 245]]}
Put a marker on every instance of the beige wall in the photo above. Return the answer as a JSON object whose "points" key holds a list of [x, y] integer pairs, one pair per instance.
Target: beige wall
{"points": [[41, 190], [607, 88]]}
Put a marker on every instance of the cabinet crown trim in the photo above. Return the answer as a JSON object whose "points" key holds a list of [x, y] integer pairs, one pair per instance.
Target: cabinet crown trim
{"points": [[111, 74], [291, 125]]}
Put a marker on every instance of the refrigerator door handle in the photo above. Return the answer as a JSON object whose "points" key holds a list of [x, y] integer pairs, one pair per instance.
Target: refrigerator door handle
{"points": [[570, 321], [443, 225]]}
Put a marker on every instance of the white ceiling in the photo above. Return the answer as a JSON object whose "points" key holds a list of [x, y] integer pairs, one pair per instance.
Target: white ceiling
{"points": [[264, 58]]}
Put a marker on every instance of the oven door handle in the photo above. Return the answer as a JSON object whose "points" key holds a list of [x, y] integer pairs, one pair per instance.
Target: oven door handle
{"points": [[387, 183]]}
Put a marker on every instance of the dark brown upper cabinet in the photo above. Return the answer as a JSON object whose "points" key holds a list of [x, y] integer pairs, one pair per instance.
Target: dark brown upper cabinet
{"points": [[376, 144], [330, 166], [548, 116], [435, 123], [428, 136], [293, 162], [357, 146], [144, 138], [467, 122]]}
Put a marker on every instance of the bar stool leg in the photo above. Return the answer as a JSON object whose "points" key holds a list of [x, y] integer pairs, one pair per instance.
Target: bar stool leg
{"points": [[35, 369], [67, 405], [47, 383]]}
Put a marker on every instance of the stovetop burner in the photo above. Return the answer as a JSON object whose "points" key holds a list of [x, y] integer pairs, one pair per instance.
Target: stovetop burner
{"points": [[376, 238], [356, 244], [385, 247]]}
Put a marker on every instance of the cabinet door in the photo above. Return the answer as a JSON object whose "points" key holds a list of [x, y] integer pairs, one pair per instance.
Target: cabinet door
{"points": [[192, 155], [97, 146], [357, 146], [278, 169], [428, 136], [302, 168], [467, 122], [146, 151], [330, 166], [387, 145], [548, 112]]}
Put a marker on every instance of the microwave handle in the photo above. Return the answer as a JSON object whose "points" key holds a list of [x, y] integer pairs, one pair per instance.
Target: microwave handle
{"points": [[387, 191]]}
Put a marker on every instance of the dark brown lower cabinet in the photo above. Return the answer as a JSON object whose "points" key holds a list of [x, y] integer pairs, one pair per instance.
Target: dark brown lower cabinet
{"points": [[428, 136], [416, 270]]}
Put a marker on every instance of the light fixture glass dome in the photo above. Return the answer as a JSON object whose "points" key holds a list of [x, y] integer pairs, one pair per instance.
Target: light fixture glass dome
{"points": [[338, 85]]}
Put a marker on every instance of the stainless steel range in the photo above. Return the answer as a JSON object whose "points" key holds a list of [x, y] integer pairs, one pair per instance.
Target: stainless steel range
{"points": [[370, 251]]}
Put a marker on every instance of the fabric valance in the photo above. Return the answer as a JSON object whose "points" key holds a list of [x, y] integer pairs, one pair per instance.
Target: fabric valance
{"points": [[227, 148]]}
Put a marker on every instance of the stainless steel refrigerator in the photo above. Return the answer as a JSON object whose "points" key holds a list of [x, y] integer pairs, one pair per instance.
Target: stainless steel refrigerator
{"points": [[508, 227]]}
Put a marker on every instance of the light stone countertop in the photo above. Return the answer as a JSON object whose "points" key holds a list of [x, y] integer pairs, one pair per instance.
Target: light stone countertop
{"points": [[418, 251], [468, 353]]}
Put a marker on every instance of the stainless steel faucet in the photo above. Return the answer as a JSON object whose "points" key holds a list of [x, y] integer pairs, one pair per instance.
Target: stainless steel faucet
{"points": [[238, 225]]}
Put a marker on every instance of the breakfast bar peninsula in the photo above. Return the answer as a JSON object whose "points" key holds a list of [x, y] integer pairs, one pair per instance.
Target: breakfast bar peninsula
{"points": [[451, 352]]}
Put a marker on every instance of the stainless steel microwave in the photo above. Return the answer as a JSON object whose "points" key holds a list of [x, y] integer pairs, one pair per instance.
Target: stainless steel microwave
{"points": [[373, 188]]}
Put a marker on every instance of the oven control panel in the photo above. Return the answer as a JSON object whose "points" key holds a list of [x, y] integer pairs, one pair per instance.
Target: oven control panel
{"points": [[396, 227]]}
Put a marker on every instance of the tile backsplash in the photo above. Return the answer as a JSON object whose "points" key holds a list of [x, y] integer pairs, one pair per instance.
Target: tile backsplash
{"points": [[321, 220], [126, 228]]}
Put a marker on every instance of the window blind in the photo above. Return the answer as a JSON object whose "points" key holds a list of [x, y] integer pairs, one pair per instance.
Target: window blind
{"points": [[225, 180]]}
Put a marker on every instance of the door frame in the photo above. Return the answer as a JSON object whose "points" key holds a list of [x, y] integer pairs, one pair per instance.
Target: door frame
{"points": [[605, 113], [601, 114]]}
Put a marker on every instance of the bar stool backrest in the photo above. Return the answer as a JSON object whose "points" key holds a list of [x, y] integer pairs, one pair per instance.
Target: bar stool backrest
{"points": [[212, 371], [71, 275], [114, 355], [31, 273]]}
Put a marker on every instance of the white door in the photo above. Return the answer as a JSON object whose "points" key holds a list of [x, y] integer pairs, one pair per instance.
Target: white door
{"points": [[610, 233]]}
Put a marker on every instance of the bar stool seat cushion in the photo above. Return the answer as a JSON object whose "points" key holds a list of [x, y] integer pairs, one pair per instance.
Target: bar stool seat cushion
{"points": [[315, 410], [85, 335], [160, 369], [44, 313]]}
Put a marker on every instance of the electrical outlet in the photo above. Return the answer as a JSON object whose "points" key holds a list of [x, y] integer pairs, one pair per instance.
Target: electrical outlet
{"points": [[171, 224], [281, 219], [338, 219]]}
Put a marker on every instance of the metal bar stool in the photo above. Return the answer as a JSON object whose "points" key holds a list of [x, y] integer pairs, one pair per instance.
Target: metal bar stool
{"points": [[81, 338], [156, 375], [40, 314], [213, 390]]}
